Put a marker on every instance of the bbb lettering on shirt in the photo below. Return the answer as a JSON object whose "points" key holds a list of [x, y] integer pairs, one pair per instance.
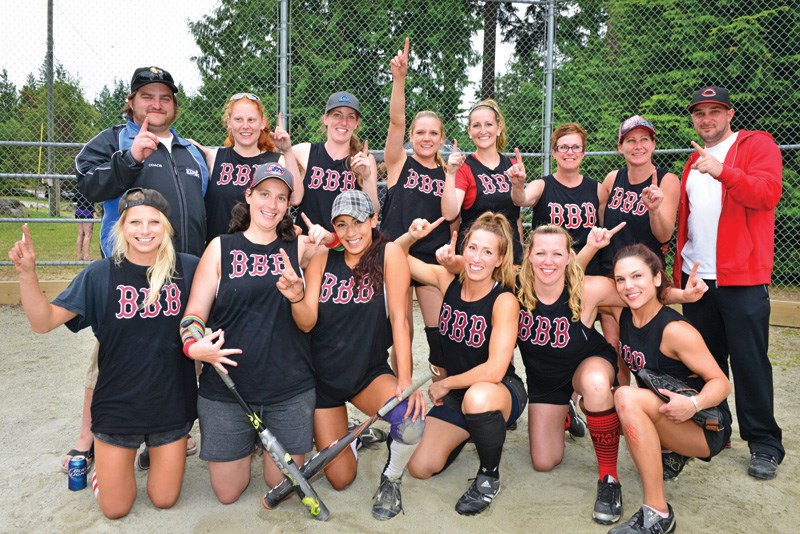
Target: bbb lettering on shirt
{"points": [[424, 183], [131, 301], [255, 264], [236, 174], [554, 333], [634, 359], [626, 202], [342, 291], [453, 323], [331, 180], [494, 183], [572, 216]]}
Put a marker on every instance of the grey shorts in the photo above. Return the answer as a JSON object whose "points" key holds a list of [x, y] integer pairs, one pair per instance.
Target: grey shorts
{"points": [[227, 435], [156, 439]]}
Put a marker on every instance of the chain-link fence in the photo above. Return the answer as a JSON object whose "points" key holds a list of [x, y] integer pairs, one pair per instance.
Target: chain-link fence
{"points": [[589, 61]]}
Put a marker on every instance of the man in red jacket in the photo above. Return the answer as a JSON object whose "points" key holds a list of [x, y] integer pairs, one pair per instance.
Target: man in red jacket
{"points": [[726, 221]]}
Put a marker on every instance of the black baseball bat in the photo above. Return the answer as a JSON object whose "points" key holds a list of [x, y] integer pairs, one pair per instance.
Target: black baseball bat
{"points": [[320, 460], [294, 478]]}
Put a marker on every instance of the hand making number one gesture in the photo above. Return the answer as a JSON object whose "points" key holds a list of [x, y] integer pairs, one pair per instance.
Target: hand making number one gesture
{"points": [[706, 162]]}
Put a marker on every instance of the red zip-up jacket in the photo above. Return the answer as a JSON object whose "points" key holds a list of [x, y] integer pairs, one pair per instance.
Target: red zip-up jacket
{"points": [[751, 180]]}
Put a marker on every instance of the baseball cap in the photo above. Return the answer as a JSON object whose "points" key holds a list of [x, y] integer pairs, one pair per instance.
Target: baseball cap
{"points": [[343, 99], [713, 94], [354, 203], [143, 197], [145, 75], [272, 170], [631, 123]]}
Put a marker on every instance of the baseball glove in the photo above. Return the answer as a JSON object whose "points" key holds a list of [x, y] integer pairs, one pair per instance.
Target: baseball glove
{"points": [[708, 418]]}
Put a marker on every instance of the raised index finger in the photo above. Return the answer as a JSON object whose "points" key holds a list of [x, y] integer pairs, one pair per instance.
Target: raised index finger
{"points": [[279, 124], [693, 274], [455, 146], [700, 150], [307, 221], [436, 223], [655, 177], [405, 48], [617, 228], [366, 149], [286, 262], [145, 124], [519, 156], [26, 234]]}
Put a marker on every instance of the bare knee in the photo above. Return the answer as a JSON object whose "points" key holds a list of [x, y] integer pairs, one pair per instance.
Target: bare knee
{"points": [[164, 502], [340, 482], [422, 470], [544, 465], [624, 400], [116, 510]]}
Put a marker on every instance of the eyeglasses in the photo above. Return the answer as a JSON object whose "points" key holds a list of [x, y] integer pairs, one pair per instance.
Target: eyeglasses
{"points": [[563, 149], [249, 96]]}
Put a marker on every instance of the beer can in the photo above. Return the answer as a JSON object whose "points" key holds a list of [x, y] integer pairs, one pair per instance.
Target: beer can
{"points": [[77, 473]]}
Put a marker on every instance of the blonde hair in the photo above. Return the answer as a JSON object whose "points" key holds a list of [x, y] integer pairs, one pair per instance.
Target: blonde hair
{"points": [[265, 143], [497, 224], [573, 275], [428, 114], [492, 104], [161, 272]]}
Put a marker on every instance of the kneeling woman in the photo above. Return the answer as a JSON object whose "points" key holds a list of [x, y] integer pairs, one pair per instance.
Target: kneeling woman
{"points": [[477, 395], [657, 338], [146, 389], [354, 305]]}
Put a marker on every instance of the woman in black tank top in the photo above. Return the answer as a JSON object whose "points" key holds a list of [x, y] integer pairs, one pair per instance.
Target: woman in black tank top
{"points": [[656, 337], [478, 325], [643, 196], [237, 289], [249, 142]]}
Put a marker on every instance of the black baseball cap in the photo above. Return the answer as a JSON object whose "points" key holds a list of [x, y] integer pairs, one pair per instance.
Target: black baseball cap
{"points": [[272, 170], [343, 99], [146, 75], [713, 94], [143, 197]]}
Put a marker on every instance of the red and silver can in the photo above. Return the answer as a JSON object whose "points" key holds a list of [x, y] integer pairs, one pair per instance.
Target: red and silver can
{"points": [[77, 473]]}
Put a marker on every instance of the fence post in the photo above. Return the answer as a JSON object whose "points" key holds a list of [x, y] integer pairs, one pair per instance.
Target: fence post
{"points": [[547, 124]]}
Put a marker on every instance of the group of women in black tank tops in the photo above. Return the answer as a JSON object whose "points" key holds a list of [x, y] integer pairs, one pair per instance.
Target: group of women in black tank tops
{"points": [[261, 289]]}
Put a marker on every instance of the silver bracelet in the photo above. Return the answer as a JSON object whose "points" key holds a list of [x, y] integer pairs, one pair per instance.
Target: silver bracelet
{"points": [[694, 401]]}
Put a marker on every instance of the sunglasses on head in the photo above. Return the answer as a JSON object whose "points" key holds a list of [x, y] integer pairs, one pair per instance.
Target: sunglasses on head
{"points": [[249, 96], [153, 75]]}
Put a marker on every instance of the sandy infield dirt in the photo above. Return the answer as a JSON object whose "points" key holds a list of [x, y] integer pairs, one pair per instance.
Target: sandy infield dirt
{"points": [[41, 381]]}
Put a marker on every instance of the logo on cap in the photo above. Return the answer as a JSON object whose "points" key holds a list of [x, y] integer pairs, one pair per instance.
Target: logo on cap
{"points": [[273, 168], [345, 98], [709, 92]]}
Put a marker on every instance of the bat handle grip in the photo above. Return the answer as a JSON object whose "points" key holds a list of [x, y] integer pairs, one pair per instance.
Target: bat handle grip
{"points": [[408, 391]]}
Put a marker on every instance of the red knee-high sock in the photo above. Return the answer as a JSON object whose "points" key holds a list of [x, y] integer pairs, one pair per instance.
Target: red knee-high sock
{"points": [[604, 428]]}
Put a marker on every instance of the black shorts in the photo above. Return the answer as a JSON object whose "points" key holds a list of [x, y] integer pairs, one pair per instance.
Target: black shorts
{"points": [[326, 398], [558, 389], [451, 412], [717, 440]]}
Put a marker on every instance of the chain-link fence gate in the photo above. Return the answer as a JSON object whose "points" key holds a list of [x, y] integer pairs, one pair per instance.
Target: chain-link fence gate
{"points": [[608, 60]]}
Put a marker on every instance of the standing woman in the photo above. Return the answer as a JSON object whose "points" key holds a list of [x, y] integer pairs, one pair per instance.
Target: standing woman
{"points": [[146, 389], [657, 338], [566, 197], [478, 394], [482, 181], [415, 189], [354, 305], [249, 143], [236, 292], [643, 196], [338, 164]]}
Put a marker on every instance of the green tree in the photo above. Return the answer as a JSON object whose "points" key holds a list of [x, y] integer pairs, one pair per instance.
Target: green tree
{"points": [[109, 105]]}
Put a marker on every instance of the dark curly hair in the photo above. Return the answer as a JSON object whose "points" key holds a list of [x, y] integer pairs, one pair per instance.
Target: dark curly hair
{"points": [[240, 221], [371, 263]]}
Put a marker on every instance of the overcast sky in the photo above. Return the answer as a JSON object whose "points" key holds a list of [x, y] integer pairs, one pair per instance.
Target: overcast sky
{"points": [[100, 40]]}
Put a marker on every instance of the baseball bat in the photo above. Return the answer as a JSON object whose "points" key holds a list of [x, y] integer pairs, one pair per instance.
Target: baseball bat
{"points": [[294, 478], [320, 460]]}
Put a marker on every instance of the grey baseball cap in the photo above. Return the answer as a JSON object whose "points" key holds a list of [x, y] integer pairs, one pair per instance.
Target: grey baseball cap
{"points": [[354, 203], [272, 170], [343, 99]]}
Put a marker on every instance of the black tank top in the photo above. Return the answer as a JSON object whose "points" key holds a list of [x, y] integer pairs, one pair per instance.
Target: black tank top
{"points": [[551, 343], [230, 177], [493, 194], [625, 205], [352, 334], [275, 363], [325, 178], [466, 328], [417, 194]]}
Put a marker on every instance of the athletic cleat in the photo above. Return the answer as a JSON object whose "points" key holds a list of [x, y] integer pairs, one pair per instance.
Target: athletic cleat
{"points": [[143, 461], [369, 437], [762, 466], [479, 495], [673, 463], [608, 505], [575, 423], [647, 521], [387, 501]]}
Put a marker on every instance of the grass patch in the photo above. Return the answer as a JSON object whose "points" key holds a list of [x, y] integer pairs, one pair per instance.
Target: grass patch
{"points": [[784, 347]]}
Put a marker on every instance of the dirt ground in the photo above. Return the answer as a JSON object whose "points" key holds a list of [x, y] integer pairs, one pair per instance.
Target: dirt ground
{"points": [[41, 379]]}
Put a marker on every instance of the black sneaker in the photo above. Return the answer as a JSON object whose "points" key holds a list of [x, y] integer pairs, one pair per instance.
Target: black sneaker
{"points": [[479, 495], [577, 426], [762, 466], [673, 463], [387, 501], [608, 505], [647, 521], [143, 461], [369, 437]]}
